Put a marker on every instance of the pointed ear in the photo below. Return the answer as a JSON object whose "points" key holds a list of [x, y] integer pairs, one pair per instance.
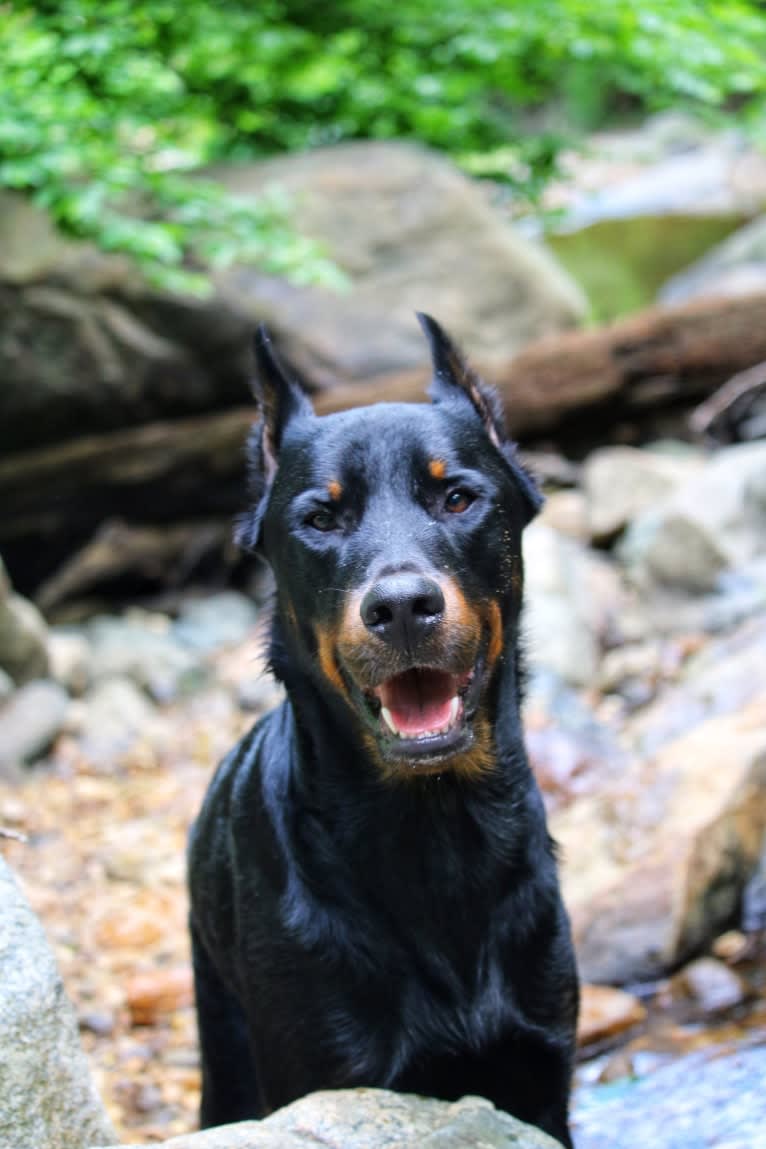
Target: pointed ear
{"points": [[455, 381], [280, 398]]}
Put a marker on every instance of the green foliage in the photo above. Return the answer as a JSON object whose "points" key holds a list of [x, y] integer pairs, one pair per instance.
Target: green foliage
{"points": [[106, 106]]}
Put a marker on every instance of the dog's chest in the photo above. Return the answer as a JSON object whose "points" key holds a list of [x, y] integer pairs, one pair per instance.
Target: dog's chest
{"points": [[437, 997]]}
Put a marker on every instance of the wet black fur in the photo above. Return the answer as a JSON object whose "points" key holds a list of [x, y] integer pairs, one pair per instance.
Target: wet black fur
{"points": [[348, 930]]}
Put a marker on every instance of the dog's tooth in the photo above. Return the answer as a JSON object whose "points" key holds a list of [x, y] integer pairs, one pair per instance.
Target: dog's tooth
{"points": [[453, 710], [385, 714]]}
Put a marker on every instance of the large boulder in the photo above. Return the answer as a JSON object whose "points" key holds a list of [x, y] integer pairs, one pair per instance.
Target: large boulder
{"points": [[373, 1119], [655, 864], [412, 233], [47, 1098]]}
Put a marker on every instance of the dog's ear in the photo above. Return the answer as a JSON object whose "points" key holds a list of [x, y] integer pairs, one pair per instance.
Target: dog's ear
{"points": [[280, 399], [454, 381]]}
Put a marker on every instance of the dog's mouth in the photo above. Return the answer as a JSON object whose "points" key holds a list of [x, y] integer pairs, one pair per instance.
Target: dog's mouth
{"points": [[423, 714]]}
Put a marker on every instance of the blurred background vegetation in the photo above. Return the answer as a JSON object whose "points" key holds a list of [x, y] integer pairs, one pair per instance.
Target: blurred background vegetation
{"points": [[109, 108]]}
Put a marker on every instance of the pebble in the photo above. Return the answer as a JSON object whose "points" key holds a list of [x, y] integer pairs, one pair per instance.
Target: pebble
{"points": [[113, 714], [218, 620], [153, 995], [710, 984], [605, 1012], [70, 657]]}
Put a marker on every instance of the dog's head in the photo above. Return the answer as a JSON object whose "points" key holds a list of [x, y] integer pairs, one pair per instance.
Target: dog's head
{"points": [[394, 532]]}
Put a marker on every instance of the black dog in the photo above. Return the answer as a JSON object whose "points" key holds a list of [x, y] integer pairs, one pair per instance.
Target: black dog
{"points": [[374, 891]]}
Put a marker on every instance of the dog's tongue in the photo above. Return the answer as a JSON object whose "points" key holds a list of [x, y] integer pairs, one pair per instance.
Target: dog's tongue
{"points": [[418, 701]]}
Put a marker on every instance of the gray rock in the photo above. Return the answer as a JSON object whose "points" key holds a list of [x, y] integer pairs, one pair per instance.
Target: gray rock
{"points": [[714, 521], [711, 1098], [572, 598], [621, 482], [112, 715], [675, 548], [70, 654], [23, 639], [217, 620], [735, 267], [374, 1119], [142, 647], [47, 1098], [710, 984], [708, 177], [30, 720]]}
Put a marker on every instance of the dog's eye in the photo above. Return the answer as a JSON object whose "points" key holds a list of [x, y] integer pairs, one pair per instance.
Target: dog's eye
{"points": [[458, 500], [322, 520]]}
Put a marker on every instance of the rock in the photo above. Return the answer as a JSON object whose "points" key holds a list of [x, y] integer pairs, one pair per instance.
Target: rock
{"points": [[715, 1097], [216, 620], [632, 662], [707, 175], [110, 369], [715, 520], [566, 512], [112, 715], [572, 598], [47, 1099], [30, 721], [394, 217], [606, 1012], [141, 647], [731, 947], [373, 1119], [570, 750], [724, 676], [70, 655], [621, 482], [710, 984], [675, 549], [735, 267], [23, 635], [655, 864]]}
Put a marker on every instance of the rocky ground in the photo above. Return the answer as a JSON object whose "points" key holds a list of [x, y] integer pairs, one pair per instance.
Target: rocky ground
{"points": [[646, 719]]}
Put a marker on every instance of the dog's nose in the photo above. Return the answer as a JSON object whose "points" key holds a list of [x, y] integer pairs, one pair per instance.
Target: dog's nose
{"points": [[402, 608]]}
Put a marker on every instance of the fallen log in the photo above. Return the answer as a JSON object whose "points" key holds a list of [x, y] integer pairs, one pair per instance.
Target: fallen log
{"points": [[659, 357], [575, 389]]}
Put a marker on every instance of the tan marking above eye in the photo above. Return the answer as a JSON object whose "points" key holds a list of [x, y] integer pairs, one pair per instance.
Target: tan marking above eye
{"points": [[437, 468], [334, 490]]}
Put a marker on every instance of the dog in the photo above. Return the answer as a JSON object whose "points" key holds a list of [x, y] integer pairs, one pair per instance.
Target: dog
{"points": [[374, 892]]}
